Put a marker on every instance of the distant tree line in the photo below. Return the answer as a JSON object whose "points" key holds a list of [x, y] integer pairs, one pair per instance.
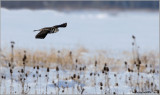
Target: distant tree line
{"points": [[73, 5]]}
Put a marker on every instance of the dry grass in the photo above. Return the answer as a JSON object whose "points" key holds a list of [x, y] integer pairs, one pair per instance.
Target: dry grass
{"points": [[67, 58]]}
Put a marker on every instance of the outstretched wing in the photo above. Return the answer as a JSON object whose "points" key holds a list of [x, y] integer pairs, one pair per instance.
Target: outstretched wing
{"points": [[42, 34], [62, 25]]}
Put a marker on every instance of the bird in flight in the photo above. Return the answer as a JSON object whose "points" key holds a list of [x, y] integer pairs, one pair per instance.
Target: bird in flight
{"points": [[48, 30]]}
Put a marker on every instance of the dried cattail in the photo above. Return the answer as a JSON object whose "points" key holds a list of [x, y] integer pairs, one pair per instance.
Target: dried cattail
{"points": [[98, 74], [114, 93], [33, 75], [102, 71], [95, 63], [74, 76], [9, 64], [146, 65], [36, 72], [26, 75], [76, 61], [151, 83], [139, 61], [101, 84], [133, 37], [101, 88], [2, 77], [125, 63], [115, 75], [47, 69], [78, 77], [22, 71], [90, 74], [57, 69], [53, 81], [129, 70], [63, 91], [83, 68], [116, 84], [135, 91], [129, 78], [34, 67], [37, 67], [46, 75], [106, 69], [11, 71], [153, 71], [80, 68], [71, 77]]}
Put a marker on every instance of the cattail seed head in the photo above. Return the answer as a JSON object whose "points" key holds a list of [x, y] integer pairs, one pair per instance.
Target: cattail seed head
{"points": [[106, 69], [78, 77], [22, 71], [57, 69], [74, 76], [129, 70], [90, 74], [80, 68], [9, 64], [26, 75], [133, 37], [102, 71], [33, 75], [47, 69], [37, 67], [151, 83], [125, 63], [95, 63], [116, 84], [101, 84], [76, 60], [11, 71]]}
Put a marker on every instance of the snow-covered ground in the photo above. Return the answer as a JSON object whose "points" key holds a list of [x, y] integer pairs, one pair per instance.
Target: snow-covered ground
{"points": [[38, 85], [91, 29]]}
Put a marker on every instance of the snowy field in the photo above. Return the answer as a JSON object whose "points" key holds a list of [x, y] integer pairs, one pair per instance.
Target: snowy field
{"points": [[39, 81], [95, 30]]}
